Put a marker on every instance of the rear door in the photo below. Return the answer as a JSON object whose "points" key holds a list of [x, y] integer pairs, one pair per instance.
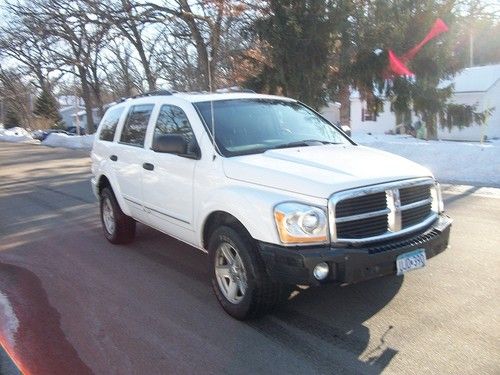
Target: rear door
{"points": [[129, 153]]}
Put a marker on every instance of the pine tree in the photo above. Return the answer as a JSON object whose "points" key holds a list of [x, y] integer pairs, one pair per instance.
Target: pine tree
{"points": [[296, 32], [46, 106], [11, 118]]}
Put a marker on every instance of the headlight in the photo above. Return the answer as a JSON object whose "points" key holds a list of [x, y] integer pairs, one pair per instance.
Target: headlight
{"points": [[299, 223], [437, 199]]}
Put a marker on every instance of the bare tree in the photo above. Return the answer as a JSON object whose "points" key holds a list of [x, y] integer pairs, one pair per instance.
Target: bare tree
{"points": [[200, 27], [70, 36], [122, 77], [22, 42], [130, 19], [16, 98]]}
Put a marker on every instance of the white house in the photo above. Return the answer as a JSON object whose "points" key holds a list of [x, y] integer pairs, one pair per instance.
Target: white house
{"points": [[478, 86], [68, 106]]}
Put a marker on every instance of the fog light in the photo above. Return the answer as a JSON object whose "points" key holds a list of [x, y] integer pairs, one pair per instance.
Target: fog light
{"points": [[321, 270]]}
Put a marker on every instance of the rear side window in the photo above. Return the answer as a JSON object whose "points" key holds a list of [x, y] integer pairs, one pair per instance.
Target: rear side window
{"points": [[108, 126], [134, 130], [173, 120]]}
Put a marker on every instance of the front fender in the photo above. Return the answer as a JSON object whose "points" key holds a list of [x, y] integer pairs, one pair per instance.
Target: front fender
{"points": [[252, 206]]}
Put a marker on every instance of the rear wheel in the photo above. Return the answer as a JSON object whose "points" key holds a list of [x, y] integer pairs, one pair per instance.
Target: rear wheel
{"points": [[118, 227], [239, 278]]}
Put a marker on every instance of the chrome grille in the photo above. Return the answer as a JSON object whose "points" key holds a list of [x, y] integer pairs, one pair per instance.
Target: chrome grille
{"points": [[415, 215], [381, 211], [361, 205]]}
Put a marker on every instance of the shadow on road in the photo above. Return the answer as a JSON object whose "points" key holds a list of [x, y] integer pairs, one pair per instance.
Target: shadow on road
{"points": [[321, 325]]}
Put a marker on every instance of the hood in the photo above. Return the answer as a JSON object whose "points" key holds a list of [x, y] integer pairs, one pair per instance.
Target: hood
{"points": [[322, 170]]}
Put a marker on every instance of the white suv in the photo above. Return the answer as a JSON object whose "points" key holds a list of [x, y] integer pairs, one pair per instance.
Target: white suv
{"points": [[278, 197]]}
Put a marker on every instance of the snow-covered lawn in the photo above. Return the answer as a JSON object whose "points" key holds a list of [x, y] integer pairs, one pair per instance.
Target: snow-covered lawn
{"points": [[69, 141], [451, 162], [18, 135]]}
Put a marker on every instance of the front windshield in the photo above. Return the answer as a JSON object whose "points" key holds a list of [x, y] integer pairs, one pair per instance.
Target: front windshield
{"points": [[249, 126]]}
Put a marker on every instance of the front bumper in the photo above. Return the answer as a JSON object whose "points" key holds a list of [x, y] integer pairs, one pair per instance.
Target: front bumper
{"points": [[351, 264]]}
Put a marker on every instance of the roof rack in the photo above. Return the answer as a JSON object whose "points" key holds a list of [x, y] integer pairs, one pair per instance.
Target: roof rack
{"points": [[233, 89], [171, 92], [149, 93], [154, 93]]}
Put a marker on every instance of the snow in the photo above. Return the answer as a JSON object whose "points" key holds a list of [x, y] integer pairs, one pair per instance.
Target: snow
{"points": [[69, 141], [451, 162], [18, 135], [478, 78]]}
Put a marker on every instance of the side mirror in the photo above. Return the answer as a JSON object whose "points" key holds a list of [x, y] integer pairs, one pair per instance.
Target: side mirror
{"points": [[176, 144], [171, 144]]}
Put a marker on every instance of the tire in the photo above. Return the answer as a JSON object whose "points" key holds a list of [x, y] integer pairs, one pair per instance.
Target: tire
{"points": [[118, 228], [260, 294]]}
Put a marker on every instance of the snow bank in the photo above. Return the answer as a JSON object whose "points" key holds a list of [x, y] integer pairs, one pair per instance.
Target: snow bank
{"points": [[18, 135], [69, 141], [451, 162]]}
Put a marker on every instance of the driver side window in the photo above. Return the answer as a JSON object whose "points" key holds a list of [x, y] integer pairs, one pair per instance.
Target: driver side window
{"points": [[173, 121]]}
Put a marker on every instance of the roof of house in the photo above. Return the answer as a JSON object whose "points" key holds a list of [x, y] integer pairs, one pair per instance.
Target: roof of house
{"points": [[475, 79]]}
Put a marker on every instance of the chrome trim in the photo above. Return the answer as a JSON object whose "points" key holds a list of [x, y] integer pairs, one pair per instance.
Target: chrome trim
{"points": [[393, 204], [416, 204], [367, 215]]}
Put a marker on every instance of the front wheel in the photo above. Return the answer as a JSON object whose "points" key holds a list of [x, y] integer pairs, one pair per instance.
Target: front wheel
{"points": [[239, 278]]}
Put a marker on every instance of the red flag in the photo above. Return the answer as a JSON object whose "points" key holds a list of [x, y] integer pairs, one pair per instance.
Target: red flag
{"points": [[398, 67], [438, 28]]}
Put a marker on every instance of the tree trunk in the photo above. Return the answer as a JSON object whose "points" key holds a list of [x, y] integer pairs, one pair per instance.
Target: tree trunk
{"points": [[146, 66], [430, 127], [345, 105], [199, 42], [86, 99]]}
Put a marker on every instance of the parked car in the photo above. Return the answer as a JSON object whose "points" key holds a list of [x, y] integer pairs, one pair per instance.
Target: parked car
{"points": [[42, 134], [74, 130], [278, 197]]}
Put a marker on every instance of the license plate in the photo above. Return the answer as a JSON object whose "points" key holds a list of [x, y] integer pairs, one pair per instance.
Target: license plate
{"points": [[410, 261]]}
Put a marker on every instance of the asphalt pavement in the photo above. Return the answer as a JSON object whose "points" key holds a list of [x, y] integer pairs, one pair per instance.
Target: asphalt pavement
{"points": [[72, 303]]}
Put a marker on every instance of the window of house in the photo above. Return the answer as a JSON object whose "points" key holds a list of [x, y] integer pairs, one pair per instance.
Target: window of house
{"points": [[368, 115]]}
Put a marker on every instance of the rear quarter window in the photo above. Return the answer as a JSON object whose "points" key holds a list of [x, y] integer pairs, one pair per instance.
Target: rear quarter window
{"points": [[108, 124]]}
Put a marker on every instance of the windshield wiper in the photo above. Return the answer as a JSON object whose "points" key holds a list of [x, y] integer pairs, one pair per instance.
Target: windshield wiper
{"points": [[307, 142]]}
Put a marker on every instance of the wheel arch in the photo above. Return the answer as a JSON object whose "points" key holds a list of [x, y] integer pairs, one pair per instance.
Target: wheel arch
{"points": [[104, 181], [217, 218]]}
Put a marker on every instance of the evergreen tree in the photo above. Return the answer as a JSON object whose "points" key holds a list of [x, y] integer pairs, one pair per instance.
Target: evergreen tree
{"points": [[297, 34], [322, 49], [46, 106], [11, 118]]}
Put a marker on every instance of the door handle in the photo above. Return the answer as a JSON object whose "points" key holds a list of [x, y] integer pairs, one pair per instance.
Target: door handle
{"points": [[148, 166], [114, 157]]}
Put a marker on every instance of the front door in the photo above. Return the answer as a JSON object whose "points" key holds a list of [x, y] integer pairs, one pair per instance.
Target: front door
{"points": [[168, 185]]}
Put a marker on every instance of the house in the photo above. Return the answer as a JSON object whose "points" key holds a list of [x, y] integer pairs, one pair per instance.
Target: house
{"points": [[331, 111], [81, 117], [479, 86], [68, 106]]}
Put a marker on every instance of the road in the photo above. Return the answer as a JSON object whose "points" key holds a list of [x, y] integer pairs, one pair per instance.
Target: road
{"points": [[71, 303]]}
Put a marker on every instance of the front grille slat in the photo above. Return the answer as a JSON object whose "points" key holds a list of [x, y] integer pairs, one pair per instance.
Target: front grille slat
{"points": [[363, 228], [361, 205], [414, 194], [415, 215], [365, 214]]}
